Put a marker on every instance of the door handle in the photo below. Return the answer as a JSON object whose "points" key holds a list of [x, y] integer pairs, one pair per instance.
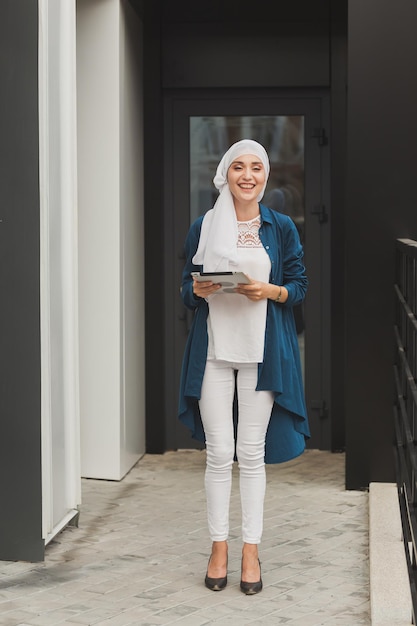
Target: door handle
{"points": [[320, 211], [321, 407]]}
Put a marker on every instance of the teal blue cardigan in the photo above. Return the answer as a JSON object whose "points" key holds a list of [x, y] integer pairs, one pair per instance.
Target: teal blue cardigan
{"points": [[280, 371]]}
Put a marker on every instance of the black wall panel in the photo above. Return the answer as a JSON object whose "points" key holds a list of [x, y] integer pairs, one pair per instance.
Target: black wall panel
{"points": [[232, 12], [381, 206], [338, 81], [261, 55], [20, 416], [154, 260]]}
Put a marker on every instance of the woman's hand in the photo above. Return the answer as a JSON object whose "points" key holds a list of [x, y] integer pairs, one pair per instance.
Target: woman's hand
{"points": [[257, 290], [204, 288]]}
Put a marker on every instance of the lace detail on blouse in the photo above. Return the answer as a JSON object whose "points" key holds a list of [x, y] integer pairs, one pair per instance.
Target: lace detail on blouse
{"points": [[248, 233]]}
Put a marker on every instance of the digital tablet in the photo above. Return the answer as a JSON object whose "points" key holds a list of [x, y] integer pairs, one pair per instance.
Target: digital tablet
{"points": [[228, 280]]}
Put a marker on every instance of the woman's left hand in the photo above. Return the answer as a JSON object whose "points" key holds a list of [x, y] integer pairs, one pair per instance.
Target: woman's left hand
{"points": [[257, 290]]}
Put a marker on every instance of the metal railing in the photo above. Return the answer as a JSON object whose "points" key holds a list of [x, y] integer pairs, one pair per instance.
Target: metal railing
{"points": [[405, 404]]}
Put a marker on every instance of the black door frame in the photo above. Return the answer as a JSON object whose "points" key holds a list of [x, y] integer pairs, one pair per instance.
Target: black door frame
{"points": [[182, 104]]}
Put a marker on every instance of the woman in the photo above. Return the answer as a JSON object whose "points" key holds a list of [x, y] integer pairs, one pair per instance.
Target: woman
{"points": [[245, 342]]}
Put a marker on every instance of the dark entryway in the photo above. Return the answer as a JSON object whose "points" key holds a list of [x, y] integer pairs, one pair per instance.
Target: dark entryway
{"points": [[204, 65], [293, 127]]}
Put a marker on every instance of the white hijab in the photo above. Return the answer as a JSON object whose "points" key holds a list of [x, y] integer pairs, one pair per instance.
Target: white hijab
{"points": [[218, 239]]}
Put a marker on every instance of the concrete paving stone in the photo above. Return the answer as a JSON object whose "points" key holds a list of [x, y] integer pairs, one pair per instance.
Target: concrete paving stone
{"points": [[207, 602], [127, 591], [230, 620], [16, 592], [285, 574], [95, 615], [290, 605], [298, 579], [123, 619], [105, 587], [296, 609], [279, 589], [254, 609], [129, 603], [12, 568], [154, 594], [51, 618], [152, 620], [359, 617], [315, 572], [349, 618], [15, 617], [293, 614], [66, 622], [355, 590], [9, 605], [232, 603], [300, 597], [314, 619], [194, 595], [179, 611], [68, 591], [346, 620], [134, 617], [159, 605], [331, 581], [284, 601], [128, 619], [41, 602], [270, 621], [193, 620]]}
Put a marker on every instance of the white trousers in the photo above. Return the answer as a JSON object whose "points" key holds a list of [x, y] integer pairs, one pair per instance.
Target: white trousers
{"points": [[254, 411]]}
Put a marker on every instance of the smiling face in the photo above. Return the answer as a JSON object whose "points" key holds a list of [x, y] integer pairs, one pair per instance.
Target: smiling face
{"points": [[246, 177]]}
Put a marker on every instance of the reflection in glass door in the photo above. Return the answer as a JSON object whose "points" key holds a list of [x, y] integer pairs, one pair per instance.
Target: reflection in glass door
{"points": [[283, 138]]}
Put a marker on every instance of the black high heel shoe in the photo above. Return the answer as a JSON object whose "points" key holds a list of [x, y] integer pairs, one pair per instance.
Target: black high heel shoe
{"points": [[251, 588], [215, 584]]}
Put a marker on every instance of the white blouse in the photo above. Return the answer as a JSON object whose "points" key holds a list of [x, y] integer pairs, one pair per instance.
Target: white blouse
{"points": [[235, 324]]}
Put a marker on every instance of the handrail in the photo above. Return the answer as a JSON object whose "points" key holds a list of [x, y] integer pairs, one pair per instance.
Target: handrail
{"points": [[405, 404]]}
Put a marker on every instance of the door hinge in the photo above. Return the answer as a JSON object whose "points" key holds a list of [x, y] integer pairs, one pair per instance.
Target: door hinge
{"points": [[320, 211], [321, 407], [320, 135]]}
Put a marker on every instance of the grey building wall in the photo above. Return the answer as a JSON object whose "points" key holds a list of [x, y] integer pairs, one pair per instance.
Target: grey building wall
{"points": [[20, 415], [381, 206]]}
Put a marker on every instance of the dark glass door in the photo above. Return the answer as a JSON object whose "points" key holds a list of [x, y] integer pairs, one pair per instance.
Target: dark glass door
{"points": [[198, 132]]}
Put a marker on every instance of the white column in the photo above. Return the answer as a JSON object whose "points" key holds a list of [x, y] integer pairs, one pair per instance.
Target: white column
{"points": [[61, 484], [132, 295], [111, 247]]}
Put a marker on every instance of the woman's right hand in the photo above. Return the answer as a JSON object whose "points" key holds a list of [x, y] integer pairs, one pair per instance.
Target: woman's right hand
{"points": [[205, 288]]}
